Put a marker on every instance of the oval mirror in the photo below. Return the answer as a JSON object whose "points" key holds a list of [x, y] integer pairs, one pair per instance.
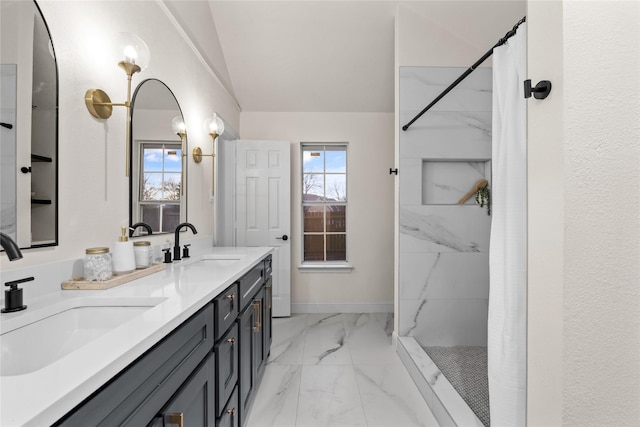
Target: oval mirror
{"points": [[157, 182], [29, 131]]}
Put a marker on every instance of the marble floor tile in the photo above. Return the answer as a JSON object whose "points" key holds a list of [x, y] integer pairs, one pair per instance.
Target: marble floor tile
{"points": [[341, 371], [389, 397], [288, 340], [276, 400], [368, 340], [329, 397], [324, 341]]}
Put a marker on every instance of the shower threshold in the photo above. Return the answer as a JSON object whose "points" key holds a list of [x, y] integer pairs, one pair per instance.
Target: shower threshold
{"points": [[443, 400]]}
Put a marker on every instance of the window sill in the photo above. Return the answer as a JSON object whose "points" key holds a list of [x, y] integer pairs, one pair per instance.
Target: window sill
{"points": [[325, 267]]}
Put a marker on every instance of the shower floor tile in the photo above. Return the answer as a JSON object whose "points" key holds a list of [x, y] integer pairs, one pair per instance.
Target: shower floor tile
{"points": [[466, 370]]}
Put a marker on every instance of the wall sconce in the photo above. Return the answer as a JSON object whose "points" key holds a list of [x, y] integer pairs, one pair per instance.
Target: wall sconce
{"points": [[178, 126], [214, 127], [134, 57]]}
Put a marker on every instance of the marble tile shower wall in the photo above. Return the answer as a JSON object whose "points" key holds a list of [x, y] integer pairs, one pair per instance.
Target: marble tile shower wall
{"points": [[444, 247]]}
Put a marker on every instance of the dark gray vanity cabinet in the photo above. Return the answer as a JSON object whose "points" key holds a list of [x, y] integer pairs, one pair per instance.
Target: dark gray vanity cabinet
{"points": [[267, 312], [192, 405], [203, 374], [140, 392], [254, 324], [267, 317], [251, 283], [230, 416], [226, 351], [226, 309], [248, 380]]}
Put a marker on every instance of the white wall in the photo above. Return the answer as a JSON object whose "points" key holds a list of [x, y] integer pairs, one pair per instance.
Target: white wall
{"points": [[93, 189], [546, 156], [584, 260], [370, 202]]}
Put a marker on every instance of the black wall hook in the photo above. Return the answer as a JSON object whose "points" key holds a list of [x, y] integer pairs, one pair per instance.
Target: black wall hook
{"points": [[541, 91]]}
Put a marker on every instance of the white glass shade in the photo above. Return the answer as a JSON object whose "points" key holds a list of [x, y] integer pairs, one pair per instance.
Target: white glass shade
{"points": [[214, 125], [178, 126], [130, 48]]}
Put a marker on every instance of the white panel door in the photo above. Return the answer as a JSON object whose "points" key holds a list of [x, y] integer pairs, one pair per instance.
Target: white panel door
{"points": [[263, 209]]}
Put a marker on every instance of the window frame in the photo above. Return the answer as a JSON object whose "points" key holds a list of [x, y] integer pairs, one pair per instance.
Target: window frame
{"points": [[324, 265], [140, 203]]}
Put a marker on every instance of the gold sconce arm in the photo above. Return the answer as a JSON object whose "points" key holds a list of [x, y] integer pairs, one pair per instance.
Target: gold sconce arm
{"points": [[197, 157], [183, 136], [215, 128], [136, 57]]}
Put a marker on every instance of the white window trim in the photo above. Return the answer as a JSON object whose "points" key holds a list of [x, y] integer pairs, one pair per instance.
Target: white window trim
{"points": [[139, 159], [324, 266]]}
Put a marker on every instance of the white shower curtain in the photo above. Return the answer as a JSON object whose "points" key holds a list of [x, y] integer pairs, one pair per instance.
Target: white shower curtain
{"points": [[506, 346]]}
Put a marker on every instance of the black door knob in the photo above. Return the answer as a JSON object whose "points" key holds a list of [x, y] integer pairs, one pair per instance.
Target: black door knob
{"points": [[284, 237]]}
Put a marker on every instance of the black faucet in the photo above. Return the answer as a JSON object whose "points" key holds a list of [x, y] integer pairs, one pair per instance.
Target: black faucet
{"points": [[144, 225], [10, 247], [176, 244]]}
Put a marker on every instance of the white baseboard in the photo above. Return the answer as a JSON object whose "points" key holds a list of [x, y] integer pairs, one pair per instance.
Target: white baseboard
{"points": [[311, 308]]}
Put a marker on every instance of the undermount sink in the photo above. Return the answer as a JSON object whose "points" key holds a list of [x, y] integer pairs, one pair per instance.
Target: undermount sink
{"points": [[44, 336], [222, 259], [218, 260]]}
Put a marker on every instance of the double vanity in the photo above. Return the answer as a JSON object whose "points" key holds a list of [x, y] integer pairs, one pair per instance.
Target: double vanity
{"points": [[185, 346]]}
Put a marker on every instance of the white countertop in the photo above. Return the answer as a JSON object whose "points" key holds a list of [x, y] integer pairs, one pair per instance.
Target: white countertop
{"points": [[42, 397]]}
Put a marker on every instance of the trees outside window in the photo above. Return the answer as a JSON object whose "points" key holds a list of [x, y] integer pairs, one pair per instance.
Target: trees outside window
{"points": [[160, 185]]}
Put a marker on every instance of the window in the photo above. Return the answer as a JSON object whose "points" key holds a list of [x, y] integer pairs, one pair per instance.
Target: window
{"points": [[324, 202], [160, 183]]}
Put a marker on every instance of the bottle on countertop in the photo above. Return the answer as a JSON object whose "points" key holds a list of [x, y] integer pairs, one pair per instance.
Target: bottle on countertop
{"points": [[124, 260]]}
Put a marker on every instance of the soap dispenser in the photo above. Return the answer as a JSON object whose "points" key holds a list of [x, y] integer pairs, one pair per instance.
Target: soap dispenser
{"points": [[124, 260]]}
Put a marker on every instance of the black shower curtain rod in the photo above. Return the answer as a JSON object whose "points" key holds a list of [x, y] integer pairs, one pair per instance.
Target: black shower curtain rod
{"points": [[502, 41]]}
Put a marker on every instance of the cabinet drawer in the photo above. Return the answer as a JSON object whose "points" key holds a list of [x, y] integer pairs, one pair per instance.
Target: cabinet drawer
{"points": [[139, 392], [250, 284], [268, 266], [226, 309], [226, 351], [192, 404], [229, 417]]}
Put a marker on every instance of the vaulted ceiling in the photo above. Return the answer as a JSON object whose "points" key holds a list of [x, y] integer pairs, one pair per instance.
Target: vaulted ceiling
{"points": [[325, 55]]}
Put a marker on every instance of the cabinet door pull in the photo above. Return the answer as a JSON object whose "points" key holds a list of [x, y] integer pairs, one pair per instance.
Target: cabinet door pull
{"points": [[176, 418], [231, 298], [269, 289], [258, 309], [231, 340], [231, 411]]}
